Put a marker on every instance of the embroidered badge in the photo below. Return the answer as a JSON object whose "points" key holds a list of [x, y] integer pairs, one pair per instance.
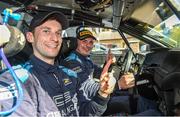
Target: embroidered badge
{"points": [[77, 69], [67, 81]]}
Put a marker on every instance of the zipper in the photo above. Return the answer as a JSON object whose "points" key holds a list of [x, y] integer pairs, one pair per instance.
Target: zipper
{"points": [[56, 79]]}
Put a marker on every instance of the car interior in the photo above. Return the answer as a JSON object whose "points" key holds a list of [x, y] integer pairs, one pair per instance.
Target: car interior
{"points": [[147, 32]]}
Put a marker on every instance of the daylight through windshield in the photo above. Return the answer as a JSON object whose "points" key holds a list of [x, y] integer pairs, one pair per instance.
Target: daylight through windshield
{"points": [[163, 25]]}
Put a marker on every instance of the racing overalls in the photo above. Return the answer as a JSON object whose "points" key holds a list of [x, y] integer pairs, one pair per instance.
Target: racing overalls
{"points": [[51, 90], [84, 67]]}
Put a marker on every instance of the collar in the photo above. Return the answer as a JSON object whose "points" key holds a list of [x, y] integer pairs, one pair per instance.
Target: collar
{"points": [[81, 56], [40, 65]]}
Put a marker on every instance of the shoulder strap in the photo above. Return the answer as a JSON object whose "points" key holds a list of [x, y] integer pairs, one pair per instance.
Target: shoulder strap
{"points": [[73, 56]]}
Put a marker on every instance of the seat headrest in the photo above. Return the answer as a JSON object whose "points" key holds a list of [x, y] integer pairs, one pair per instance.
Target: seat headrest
{"points": [[68, 44]]}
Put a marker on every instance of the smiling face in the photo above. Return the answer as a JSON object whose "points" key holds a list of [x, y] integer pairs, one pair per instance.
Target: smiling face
{"points": [[85, 46], [46, 40]]}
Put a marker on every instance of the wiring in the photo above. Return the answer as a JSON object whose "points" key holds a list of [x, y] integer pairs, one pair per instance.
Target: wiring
{"points": [[8, 13]]}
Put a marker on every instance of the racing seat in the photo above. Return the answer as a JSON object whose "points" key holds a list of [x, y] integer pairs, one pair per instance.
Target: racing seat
{"points": [[22, 56], [69, 44], [168, 79]]}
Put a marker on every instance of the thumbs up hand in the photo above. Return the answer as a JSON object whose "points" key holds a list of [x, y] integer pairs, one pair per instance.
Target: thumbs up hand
{"points": [[107, 84]]}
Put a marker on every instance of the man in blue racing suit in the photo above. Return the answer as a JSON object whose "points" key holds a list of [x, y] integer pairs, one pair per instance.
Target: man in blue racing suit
{"points": [[80, 62], [49, 89]]}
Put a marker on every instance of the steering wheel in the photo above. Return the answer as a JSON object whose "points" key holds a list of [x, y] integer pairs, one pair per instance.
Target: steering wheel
{"points": [[125, 62], [125, 66]]}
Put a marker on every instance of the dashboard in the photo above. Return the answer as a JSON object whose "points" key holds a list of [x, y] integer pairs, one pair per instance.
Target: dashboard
{"points": [[162, 68]]}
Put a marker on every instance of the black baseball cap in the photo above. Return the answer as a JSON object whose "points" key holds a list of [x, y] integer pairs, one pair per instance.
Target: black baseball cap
{"points": [[39, 18], [83, 34]]}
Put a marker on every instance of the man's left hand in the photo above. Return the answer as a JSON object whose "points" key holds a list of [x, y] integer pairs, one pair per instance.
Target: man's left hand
{"points": [[110, 56], [107, 84]]}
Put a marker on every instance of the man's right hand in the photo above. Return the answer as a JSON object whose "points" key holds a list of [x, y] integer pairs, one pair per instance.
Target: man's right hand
{"points": [[126, 81]]}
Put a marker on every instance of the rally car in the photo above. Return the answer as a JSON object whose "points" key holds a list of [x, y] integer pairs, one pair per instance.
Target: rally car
{"points": [[146, 31]]}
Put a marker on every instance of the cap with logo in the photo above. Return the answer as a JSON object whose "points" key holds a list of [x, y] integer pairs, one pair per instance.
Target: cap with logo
{"points": [[39, 18], [83, 34]]}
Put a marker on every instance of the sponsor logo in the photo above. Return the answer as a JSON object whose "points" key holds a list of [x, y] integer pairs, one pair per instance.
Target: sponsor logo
{"points": [[67, 81], [85, 33], [8, 92], [61, 99], [54, 114], [65, 99], [77, 69]]}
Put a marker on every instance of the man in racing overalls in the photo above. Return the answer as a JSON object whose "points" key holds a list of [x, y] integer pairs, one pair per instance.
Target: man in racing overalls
{"points": [[80, 62], [49, 89]]}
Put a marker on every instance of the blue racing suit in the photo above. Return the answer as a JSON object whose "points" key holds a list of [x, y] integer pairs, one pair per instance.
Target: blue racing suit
{"points": [[52, 90], [87, 70]]}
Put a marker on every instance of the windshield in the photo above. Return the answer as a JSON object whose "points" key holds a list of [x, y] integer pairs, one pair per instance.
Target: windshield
{"points": [[161, 23], [175, 4]]}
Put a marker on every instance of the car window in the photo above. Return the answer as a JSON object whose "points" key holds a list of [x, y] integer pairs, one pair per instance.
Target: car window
{"points": [[160, 22]]}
